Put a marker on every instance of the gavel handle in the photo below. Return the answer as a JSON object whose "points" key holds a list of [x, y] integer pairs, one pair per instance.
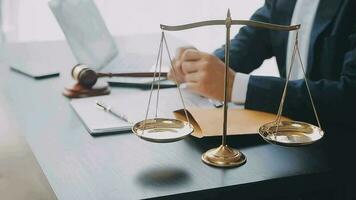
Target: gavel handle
{"points": [[132, 74]]}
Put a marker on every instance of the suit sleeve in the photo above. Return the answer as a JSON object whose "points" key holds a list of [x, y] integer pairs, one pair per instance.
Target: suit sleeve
{"points": [[251, 46], [335, 100]]}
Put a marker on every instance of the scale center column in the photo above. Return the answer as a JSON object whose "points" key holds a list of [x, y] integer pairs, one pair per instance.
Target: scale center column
{"points": [[225, 156]]}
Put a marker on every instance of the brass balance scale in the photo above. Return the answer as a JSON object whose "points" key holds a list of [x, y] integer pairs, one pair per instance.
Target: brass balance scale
{"points": [[285, 133]]}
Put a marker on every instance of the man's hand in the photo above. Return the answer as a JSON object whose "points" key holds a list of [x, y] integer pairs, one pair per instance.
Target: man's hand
{"points": [[176, 73], [202, 73]]}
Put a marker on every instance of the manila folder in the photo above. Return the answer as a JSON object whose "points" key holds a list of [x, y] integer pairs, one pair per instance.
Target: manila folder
{"points": [[209, 121]]}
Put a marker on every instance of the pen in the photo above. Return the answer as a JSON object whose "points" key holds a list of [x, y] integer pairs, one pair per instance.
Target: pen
{"points": [[108, 109]]}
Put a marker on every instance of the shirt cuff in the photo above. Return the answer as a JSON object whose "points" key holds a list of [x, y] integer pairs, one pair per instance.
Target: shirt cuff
{"points": [[239, 88]]}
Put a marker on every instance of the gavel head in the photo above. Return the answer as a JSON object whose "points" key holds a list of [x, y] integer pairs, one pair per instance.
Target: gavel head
{"points": [[85, 76]]}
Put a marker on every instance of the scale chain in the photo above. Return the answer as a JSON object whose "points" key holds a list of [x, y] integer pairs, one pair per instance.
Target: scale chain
{"points": [[280, 109], [281, 105], [307, 85], [159, 80], [159, 66], [154, 79], [175, 77]]}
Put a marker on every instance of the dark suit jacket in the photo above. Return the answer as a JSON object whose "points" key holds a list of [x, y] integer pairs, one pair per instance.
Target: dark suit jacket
{"points": [[331, 67]]}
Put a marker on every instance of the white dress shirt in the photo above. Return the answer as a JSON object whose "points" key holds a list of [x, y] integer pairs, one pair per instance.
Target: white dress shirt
{"points": [[304, 14]]}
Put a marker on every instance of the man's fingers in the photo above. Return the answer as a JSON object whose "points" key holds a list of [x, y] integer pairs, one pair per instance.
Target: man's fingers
{"points": [[190, 86], [174, 77], [179, 53], [191, 55], [193, 87], [193, 77], [181, 50], [190, 67], [176, 72]]}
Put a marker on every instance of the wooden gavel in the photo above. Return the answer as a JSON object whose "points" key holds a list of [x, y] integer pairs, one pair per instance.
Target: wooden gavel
{"points": [[87, 77]]}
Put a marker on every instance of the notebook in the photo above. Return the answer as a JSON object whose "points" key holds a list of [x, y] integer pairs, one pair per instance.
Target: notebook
{"points": [[96, 120], [132, 104]]}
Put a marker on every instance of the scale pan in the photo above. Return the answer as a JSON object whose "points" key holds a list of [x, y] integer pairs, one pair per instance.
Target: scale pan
{"points": [[162, 130], [291, 133]]}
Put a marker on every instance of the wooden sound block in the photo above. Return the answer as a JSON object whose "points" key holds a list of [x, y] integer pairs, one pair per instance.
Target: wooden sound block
{"points": [[99, 86], [78, 91], [83, 95]]}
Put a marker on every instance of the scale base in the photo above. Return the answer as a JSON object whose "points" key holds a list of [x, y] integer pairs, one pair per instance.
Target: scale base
{"points": [[224, 156]]}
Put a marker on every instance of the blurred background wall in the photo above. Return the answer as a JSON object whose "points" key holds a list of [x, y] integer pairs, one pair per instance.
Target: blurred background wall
{"points": [[32, 20]]}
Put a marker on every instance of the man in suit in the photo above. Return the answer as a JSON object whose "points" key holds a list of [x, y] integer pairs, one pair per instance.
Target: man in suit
{"points": [[328, 50]]}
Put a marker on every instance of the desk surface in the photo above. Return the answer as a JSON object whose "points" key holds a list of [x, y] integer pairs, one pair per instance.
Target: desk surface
{"points": [[20, 175], [79, 166]]}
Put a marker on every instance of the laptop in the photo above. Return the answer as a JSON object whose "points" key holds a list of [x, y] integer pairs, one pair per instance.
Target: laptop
{"points": [[85, 31], [92, 44]]}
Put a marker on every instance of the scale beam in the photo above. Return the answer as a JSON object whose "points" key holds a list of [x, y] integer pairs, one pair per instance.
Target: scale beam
{"points": [[253, 23]]}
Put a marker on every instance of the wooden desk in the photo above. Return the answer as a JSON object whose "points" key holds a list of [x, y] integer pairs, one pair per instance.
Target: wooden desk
{"points": [[79, 166]]}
